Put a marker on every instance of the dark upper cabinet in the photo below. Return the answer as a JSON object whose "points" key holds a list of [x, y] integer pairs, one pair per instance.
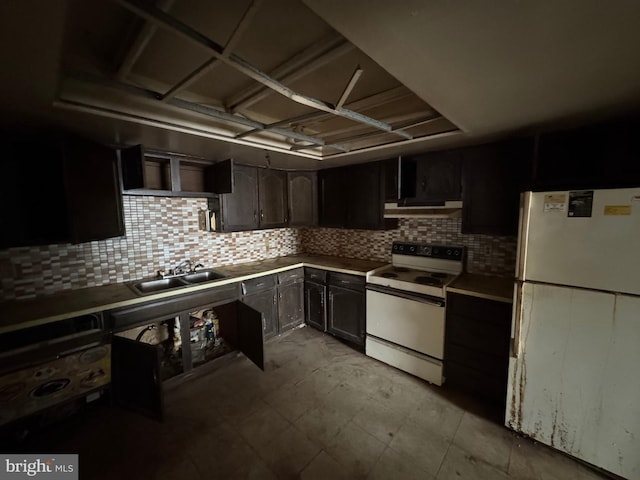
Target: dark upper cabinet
{"points": [[70, 184], [391, 179], [95, 206], [272, 198], [302, 196], [493, 176], [167, 175], [240, 208], [431, 179], [597, 156], [332, 196], [354, 196], [366, 197]]}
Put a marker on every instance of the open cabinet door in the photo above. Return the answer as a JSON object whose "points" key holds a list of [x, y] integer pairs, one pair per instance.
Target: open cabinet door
{"points": [[250, 334], [135, 376]]}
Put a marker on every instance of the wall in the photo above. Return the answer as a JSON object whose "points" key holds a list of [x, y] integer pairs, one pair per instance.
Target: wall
{"points": [[486, 254], [161, 231]]}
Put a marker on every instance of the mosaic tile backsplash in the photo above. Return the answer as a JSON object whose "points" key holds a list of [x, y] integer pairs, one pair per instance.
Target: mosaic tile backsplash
{"points": [[161, 231]]}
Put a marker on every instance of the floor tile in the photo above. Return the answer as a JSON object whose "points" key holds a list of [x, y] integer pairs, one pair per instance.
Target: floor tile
{"points": [[292, 401], [485, 440], [380, 421], [322, 424], [461, 465], [424, 447], [531, 461], [346, 399], [356, 450], [259, 428], [392, 465], [323, 467], [288, 453]]}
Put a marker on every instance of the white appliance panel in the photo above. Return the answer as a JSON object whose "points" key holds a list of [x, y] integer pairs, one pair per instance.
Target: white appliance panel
{"points": [[412, 324], [599, 252], [404, 359], [572, 385]]}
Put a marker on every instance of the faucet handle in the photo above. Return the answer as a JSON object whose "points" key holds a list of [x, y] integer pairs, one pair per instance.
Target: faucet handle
{"points": [[198, 265]]}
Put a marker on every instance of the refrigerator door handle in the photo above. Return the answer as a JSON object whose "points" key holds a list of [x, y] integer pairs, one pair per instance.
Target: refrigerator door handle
{"points": [[516, 320]]}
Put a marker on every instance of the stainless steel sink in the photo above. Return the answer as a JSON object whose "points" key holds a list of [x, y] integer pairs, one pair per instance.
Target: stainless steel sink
{"points": [[151, 286], [146, 287], [200, 277]]}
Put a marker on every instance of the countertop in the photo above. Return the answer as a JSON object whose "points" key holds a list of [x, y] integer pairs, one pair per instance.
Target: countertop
{"points": [[18, 314], [483, 286]]}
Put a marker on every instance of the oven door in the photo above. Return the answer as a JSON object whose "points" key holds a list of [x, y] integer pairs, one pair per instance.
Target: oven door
{"points": [[411, 320]]}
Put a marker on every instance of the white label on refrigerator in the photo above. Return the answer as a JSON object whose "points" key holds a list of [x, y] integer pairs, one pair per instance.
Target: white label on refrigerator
{"points": [[555, 202], [635, 198]]}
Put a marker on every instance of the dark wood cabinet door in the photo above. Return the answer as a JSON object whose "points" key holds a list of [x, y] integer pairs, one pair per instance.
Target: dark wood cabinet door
{"points": [[135, 376], [492, 178], [346, 314], [365, 202], [431, 178], [332, 193], [250, 340], [303, 198], [290, 305], [265, 302], [218, 178], [272, 198], [132, 165], [93, 191], [477, 345], [240, 208], [314, 303]]}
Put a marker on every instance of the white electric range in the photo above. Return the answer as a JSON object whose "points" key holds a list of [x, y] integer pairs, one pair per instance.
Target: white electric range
{"points": [[406, 307]]}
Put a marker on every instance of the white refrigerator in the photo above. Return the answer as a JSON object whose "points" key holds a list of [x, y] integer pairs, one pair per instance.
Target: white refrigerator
{"points": [[574, 371]]}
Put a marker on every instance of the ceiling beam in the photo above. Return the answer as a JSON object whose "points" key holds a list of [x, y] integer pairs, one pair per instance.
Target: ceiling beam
{"points": [[140, 43], [372, 101], [293, 69], [400, 120], [352, 83], [194, 107], [166, 21], [210, 64]]}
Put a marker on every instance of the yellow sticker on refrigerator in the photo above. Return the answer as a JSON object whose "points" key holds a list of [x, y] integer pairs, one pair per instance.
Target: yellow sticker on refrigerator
{"points": [[617, 209]]}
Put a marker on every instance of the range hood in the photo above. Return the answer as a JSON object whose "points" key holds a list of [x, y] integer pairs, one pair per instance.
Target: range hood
{"points": [[451, 209]]}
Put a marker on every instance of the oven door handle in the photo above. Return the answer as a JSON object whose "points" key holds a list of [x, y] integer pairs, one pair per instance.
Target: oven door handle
{"points": [[416, 297]]}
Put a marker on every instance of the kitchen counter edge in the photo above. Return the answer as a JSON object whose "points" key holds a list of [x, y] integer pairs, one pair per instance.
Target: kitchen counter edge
{"points": [[499, 289], [20, 314]]}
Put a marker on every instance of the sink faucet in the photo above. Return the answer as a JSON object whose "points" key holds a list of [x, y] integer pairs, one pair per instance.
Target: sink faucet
{"points": [[183, 268]]}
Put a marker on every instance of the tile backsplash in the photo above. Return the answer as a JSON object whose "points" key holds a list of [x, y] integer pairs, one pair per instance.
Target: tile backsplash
{"points": [[161, 231]]}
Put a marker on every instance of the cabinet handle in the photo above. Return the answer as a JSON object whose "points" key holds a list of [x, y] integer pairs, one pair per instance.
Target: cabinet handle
{"points": [[261, 215], [424, 184]]}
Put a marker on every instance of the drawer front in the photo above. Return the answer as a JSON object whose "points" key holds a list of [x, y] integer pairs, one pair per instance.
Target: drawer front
{"points": [[315, 275], [290, 276], [491, 365], [480, 309], [352, 282], [258, 284]]}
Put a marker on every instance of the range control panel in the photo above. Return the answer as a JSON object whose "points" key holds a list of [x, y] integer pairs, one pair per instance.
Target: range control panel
{"points": [[428, 250]]}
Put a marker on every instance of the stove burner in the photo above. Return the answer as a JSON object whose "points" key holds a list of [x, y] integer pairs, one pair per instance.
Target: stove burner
{"points": [[400, 269], [428, 281], [439, 275], [389, 275]]}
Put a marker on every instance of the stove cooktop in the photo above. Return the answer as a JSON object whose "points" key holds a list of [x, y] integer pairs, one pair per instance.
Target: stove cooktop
{"points": [[418, 281]]}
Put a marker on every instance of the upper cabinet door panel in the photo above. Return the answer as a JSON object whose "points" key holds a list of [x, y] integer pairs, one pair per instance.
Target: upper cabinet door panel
{"points": [[218, 178], [272, 191], [240, 208], [366, 197], [333, 197], [432, 178], [93, 191], [133, 171], [303, 204]]}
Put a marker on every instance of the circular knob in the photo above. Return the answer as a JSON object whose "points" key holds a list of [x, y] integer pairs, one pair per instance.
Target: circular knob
{"points": [[412, 249], [456, 253], [449, 252]]}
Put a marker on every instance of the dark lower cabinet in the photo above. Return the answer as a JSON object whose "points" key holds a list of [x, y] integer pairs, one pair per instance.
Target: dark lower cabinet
{"points": [[159, 344], [314, 303], [476, 355], [346, 310], [290, 299], [261, 294]]}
